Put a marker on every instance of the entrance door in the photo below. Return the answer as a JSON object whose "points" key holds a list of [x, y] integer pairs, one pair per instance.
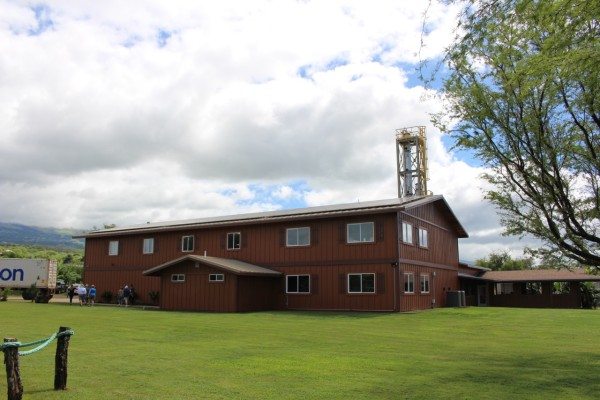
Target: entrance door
{"points": [[482, 295]]}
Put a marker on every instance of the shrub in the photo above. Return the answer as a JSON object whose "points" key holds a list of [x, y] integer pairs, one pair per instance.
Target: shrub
{"points": [[107, 296], [4, 293], [154, 295], [590, 296], [30, 293]]}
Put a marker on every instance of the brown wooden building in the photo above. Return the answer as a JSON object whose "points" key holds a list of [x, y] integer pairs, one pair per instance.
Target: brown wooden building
{"points": [[537, 288], [388, 255]]}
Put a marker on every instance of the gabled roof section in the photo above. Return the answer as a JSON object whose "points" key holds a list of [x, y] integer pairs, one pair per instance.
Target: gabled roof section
{"points": [[539, 275], [367, 207], [234, 266]]}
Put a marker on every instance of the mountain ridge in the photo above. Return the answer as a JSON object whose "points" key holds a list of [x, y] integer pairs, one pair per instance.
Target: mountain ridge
{"points": [[15, 233]]}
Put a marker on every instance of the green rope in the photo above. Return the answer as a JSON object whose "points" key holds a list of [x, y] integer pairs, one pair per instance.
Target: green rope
{"points": [[40, 347], [42, 343]]}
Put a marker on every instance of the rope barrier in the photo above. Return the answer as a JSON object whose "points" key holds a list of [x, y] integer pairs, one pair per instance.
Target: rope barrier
{"points": [[42, 343]]}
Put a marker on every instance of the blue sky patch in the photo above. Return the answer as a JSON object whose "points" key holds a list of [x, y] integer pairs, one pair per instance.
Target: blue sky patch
{"points": [[162, 37], [270, 194], [42, 17]]}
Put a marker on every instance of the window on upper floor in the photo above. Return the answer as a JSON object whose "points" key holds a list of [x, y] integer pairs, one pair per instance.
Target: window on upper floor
{"points": [[234, 240], [297, 237], [187, 243], [113, 248], [361, 283], [407, 233], [423, 237], [297, 284], [148, 246], [409, 282], [178, 278], [362, 232]]}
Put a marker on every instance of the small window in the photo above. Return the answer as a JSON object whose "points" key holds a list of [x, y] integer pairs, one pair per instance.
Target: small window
{"points": [[409, 283], [187, 243], [422, 237], [360, 233], [361, 283], [407, 232], [297, 236], [234, 240], [504, 288], [216, 277], [297, 284], [148, 246], [424, 283], [113, 248], [178, 278]]}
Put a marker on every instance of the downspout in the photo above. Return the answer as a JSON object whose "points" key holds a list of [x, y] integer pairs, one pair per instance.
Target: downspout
{"points": [[397, 269]]}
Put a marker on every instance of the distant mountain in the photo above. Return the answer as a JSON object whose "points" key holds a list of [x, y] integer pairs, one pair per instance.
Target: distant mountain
{"points": [[33, 235]]}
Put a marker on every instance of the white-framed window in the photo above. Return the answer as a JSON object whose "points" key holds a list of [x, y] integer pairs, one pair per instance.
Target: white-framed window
{"points": [[424, 283], [113, 248], [362, 232], [187, 243], [148, 247], [178, 278], [409, 282], [297, 236], [407, 231], [423, 237], [216, 277], [297, 284], [234, 240], [361, 283]]}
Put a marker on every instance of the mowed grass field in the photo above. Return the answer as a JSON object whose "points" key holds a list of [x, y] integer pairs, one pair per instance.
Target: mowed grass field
{"points": [[473, 353]]}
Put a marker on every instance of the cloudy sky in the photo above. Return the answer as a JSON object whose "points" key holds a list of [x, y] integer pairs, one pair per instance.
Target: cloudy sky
{"points": [[132, 111]]}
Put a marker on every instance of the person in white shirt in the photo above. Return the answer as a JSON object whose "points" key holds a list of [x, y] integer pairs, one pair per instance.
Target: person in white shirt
{"points": [[81, 292]]}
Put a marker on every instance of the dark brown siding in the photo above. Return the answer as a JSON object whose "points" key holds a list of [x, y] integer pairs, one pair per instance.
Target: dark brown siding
{"points": [[197, 293], [328, 259]]}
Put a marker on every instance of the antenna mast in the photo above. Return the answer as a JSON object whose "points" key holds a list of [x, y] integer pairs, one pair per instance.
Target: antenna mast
{"points": [[411, 157]]}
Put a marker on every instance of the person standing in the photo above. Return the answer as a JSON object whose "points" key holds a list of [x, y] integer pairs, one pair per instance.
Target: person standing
{"points": [[71, 293], [82, 293], [120, 297], [92, 295], [132, 294], [126, 294]]}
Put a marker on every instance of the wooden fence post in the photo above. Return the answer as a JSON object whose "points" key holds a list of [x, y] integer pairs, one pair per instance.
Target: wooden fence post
{"points": [[60, 360], [13, 377]]}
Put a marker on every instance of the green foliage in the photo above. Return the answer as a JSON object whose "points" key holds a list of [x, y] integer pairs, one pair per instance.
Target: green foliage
{"points": [[154, 296], [590, 295], [4, 293], [30, 293], [70, 262], [522, 94], [107, 296], [502, 261]]}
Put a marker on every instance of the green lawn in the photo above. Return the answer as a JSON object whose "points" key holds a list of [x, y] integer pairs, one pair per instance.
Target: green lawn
{"points": [[477, 353]]}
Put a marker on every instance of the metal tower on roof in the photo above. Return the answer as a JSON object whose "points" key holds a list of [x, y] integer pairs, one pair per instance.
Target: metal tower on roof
{"points": [[411, 157]]}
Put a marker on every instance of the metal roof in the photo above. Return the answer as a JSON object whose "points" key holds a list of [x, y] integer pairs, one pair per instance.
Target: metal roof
{"points": [[534, 275], [376, 206], [234, 266]]}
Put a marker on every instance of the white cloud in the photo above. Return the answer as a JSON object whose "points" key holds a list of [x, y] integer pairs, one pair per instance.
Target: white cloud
{"points": [[126, 112]]}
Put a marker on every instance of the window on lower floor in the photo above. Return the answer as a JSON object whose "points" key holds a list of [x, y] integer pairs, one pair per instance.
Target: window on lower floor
{"points": [[234, 240], [216, 277], [178, 278], [561, 288], [424, 283], [297, 284], [361, 283], [533, 288], [409, 282], [504, 288], [113, 248], [187, 243]]}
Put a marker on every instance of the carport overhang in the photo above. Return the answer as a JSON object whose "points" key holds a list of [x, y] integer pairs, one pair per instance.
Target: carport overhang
{"points": [[235, 267]]}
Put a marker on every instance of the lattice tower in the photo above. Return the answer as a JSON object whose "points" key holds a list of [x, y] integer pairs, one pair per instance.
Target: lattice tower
{"points": [[411, 157]]}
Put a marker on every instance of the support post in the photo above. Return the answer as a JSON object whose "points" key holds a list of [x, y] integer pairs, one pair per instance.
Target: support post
{"points": [[60, 360], [13, 376]]}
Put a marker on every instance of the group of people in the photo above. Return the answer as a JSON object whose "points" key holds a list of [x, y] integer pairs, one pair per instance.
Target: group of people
{"points": [[86, 294], [126, 295]]}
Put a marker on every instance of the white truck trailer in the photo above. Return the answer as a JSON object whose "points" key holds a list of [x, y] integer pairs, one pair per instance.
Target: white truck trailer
{"points": [[21, 273]]}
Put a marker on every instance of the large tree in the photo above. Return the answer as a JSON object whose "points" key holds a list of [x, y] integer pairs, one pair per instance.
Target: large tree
{"points": [[522, 93]]}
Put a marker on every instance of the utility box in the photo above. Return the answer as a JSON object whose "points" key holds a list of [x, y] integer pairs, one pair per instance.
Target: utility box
{"points": [[456, 298]]}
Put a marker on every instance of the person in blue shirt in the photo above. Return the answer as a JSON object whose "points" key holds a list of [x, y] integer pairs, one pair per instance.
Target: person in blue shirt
{"points": [[91, 295]]}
